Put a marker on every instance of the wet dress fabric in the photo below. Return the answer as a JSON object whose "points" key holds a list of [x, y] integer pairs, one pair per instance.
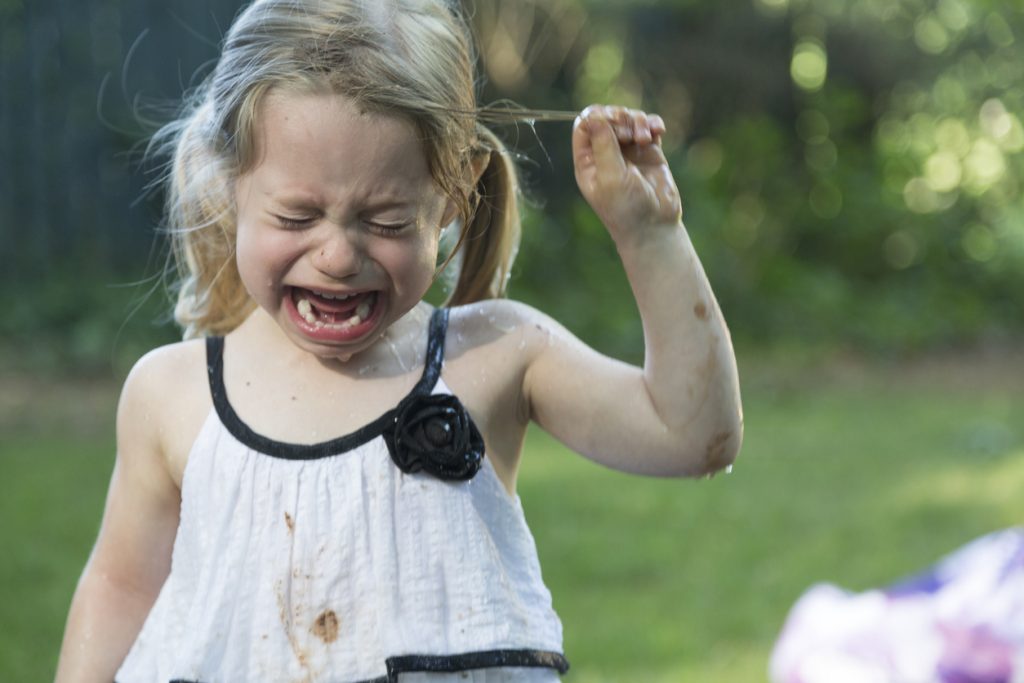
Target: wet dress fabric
{"points": [[328, 563]]}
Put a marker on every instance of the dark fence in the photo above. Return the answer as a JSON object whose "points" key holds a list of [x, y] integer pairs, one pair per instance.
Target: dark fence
{"points": [[81, 83]]}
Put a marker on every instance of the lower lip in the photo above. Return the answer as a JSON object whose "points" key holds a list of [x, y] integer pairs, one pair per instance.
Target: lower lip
{"points": [[333, 333]]}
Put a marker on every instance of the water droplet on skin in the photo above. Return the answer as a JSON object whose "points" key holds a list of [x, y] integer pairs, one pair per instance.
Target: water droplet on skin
{"points": [[503, 327], [394, 352]]}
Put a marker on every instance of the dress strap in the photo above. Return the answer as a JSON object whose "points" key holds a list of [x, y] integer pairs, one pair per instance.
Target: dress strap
{"points": [[215, 369], [435, 351]]}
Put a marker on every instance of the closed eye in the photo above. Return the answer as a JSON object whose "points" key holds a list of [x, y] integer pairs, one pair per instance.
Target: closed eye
{"points": [[388, 228], [294, 223]]}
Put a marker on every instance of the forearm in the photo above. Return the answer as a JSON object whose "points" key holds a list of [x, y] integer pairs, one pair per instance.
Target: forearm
{"points": [[681, 414], [104, 620], [689, 365]]}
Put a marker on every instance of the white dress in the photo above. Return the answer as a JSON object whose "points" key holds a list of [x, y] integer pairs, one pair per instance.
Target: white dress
{"points": [[328, 563]]}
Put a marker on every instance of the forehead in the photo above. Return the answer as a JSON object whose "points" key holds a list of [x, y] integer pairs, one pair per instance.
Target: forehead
{"points": [[324, 145]]}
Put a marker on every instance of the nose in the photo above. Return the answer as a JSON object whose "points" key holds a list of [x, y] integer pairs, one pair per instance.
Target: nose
{"points": [[338, 255]]}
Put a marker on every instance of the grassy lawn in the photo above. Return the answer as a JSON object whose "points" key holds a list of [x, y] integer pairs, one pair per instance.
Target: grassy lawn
{"points": [[856, 477]]}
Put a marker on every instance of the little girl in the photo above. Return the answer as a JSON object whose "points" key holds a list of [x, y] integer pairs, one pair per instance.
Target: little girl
{"points": [[319, 483]]}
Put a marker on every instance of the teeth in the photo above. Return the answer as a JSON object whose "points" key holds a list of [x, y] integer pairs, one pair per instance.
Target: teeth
{"points": [[332, 297], [305, 309]]}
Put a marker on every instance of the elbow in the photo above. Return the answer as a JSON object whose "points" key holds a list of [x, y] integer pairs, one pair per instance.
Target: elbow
{"points": [[721, 450], [718, 443], [711, 450]]}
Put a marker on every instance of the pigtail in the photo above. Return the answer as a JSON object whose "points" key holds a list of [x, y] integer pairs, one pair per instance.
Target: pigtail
{"points": [[211, 298], [490, 238]]}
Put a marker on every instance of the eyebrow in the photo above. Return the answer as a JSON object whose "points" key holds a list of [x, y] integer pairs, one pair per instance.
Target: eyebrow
{"points": [[303, 201]]}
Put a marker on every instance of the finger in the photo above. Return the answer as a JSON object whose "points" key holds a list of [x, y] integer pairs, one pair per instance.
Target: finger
{"points": [[642, 128], [657, 125], [645, 156], [621, 122], [605, 144]]}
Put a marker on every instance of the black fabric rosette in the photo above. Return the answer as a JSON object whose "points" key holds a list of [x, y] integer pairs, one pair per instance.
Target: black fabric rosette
{"points": [[435, 434]]}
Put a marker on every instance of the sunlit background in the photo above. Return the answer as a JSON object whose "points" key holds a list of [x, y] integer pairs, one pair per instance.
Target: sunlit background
{"points": [[852, 177]]}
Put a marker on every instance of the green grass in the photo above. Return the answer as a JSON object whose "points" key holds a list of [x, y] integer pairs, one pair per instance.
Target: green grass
{"points": [[857, 483]]}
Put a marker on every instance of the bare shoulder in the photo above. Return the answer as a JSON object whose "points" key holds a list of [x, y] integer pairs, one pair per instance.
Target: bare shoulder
{"points": [[165, 373], [164, 402], [505, 339], [495, 320]]}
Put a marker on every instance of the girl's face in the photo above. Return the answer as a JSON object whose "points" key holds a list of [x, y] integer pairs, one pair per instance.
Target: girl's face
{"points": [[338, 223]]}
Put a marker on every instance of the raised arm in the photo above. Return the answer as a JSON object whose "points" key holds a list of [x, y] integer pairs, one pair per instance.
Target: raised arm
{"points": [[679, 415], [131, 558]]}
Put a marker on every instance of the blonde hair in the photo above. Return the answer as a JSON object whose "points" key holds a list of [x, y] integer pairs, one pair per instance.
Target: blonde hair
{"points": [[407, 58]]}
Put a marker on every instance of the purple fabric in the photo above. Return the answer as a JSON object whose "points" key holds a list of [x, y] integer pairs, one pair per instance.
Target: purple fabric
{"points": [[959, 621]]}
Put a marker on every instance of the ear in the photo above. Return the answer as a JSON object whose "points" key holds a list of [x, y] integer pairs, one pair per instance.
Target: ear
{"points": [[478, 165]]}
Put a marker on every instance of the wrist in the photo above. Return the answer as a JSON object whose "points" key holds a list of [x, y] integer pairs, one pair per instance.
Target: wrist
{"points": [[654, 237]]}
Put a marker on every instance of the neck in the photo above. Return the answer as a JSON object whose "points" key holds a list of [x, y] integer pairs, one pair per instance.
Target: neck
{"points": [[399, 350]]}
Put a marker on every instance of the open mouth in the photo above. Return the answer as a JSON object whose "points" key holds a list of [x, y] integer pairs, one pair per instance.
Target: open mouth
{"points": [[338, 311]]}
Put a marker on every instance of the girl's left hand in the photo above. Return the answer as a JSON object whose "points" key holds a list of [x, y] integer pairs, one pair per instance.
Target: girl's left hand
{"points": [[622, 171]]}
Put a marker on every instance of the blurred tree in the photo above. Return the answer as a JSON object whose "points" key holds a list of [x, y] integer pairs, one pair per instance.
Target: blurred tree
{"points": [[851, 170]]}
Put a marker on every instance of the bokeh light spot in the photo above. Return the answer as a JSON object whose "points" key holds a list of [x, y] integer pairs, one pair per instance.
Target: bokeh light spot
{"points": [[930, 35], [901, 249], [954, 14], [891, 136], [998, 31], [826, 200], [920, 197], [821, 156], [600, 70], [984, 166], [809, 66], [604, 62], [951, 135], [994, 118], [942, 171], [705, 157], [949, 93], [746, 212], [773, 6], [979, 243]]}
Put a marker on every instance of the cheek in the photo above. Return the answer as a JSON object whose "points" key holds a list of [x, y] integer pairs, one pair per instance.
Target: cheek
{"points": [[415, 262], [262, 258], [247, 262]]}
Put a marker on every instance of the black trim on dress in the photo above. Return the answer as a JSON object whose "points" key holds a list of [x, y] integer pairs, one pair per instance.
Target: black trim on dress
{"points": [[485, 659], [293, 451]]}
